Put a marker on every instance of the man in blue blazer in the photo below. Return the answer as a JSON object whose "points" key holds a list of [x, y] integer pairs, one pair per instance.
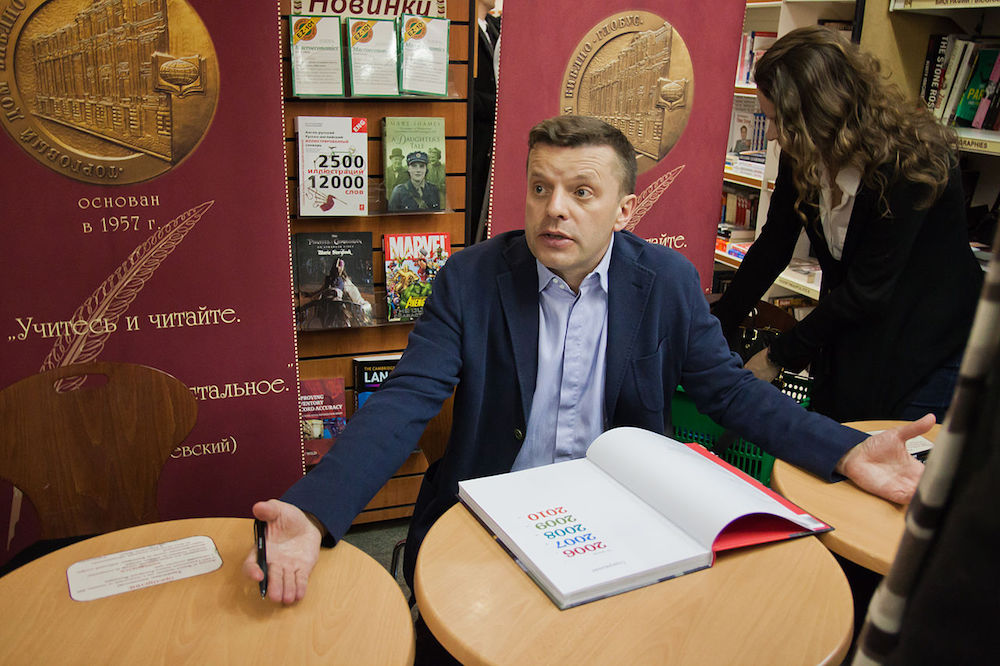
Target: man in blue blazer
{"points": [[549, 336]]}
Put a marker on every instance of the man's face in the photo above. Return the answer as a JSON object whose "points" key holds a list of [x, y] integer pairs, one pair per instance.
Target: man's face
{"points": [[434, 156], [574, 203], [397, 161], [418, 170]]}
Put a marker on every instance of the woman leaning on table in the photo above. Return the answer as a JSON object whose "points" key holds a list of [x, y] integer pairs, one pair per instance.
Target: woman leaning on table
{"points": [[874, 181]]}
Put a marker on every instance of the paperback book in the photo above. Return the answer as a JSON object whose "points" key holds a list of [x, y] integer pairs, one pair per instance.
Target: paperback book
{"points": [[411, 264], [369, 373], [323, 414], [414, 153], [317, 57], [423, 64], [373, 57], [333, 165], [638, 509], [332, 276]]}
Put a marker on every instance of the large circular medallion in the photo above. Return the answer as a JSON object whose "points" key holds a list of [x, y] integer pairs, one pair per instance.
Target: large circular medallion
{"points": [[106, 91], [633, 70]]}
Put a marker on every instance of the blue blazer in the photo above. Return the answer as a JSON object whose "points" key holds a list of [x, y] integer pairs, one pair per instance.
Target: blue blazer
{"points": [[478, 336]]}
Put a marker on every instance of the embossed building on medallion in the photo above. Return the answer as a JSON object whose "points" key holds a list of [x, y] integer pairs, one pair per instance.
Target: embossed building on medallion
{"points": [[627, 91], [99, 74]]}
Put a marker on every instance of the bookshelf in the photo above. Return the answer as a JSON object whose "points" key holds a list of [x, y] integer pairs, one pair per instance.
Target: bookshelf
{"points": [[780, 17], [329, 353], [896, 31]]}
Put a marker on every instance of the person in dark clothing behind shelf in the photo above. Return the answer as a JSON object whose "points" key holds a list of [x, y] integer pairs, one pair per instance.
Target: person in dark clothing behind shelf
{"points": [[873, 179], [548, 336], [484, 101]]}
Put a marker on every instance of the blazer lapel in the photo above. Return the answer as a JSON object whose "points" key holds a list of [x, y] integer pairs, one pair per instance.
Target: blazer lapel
{"points": [[629, 286], [518, 290]]}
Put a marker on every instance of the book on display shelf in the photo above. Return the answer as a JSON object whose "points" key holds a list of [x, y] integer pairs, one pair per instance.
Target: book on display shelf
{"points": [[323, 415], [975, 89], [414, 168], [373, 57], [316, 56], [411, 264], [423, 55], [369, 373], [332, 277], [638, 509], [333, 165]]}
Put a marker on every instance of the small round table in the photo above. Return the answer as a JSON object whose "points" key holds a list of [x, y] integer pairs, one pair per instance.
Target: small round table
{"points": [[781, 603], [867, 529], [354, 612]]}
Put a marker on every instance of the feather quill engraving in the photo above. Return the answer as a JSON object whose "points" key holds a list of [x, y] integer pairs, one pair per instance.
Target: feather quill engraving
{"points": [[650, 195], [113, 297]]}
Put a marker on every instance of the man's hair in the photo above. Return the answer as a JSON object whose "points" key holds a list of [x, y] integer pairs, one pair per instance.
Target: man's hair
{"points": [[576, 131]]}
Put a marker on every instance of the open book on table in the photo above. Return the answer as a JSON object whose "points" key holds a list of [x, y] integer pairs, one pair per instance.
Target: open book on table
{"points": [[638, 509]]}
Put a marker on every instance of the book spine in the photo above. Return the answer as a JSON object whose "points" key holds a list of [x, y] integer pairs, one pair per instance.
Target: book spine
{"points": [[932, 46], [988, 96], [948, 77], [937, 71], [960, 82]]}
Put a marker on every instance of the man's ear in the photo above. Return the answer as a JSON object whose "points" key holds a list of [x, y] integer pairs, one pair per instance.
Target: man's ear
{"points": [[625, 209]]}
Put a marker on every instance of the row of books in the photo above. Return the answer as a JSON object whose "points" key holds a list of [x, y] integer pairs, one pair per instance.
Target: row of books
{"points": [[753, 44], [739, 207], [323, 402], [333, 278], [960, 79], [333, 165], [384, 57]]}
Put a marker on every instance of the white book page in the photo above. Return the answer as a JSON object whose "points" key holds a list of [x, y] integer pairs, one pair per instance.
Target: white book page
{"points": [[698, 495], [579, 526]]}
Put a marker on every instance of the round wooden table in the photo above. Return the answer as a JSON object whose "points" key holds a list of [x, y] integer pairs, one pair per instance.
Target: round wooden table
{"points": [[781, 603], [354, 612], [867, 529]]}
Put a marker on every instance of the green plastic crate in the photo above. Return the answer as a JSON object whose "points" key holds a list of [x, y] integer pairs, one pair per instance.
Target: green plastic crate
{"points": [[692, 426]]}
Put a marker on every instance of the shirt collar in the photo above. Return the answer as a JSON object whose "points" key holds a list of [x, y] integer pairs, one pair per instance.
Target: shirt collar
{"points": [[849, 180], [545, 276]]}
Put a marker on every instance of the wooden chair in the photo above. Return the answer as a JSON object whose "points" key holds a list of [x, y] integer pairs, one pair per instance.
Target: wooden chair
{"points": [[89, 458]]}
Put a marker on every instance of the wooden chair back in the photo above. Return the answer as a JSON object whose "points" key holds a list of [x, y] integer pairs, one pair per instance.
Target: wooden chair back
{"points": [[89, 458]]}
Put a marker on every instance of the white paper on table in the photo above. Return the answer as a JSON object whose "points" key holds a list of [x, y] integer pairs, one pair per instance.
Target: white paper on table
{"points": [[135, 569]]}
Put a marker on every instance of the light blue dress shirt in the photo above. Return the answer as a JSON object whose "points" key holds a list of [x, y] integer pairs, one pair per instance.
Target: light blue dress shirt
{"points": [[567, 410]]}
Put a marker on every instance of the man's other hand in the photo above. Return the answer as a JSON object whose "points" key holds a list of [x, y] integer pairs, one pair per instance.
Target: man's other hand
{"points": [[881, 464], [293, 542]]}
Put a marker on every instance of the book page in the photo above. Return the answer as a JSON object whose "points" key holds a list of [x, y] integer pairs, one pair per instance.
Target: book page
{"points": [[579, 526], [696, 493]]}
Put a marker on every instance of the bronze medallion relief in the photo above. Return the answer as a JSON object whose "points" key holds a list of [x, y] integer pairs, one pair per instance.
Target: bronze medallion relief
{"points": [[632, 70], [106, 91]]}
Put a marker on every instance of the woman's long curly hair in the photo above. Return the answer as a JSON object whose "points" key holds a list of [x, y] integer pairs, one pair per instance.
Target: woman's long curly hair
{"points": [[833, 109]]}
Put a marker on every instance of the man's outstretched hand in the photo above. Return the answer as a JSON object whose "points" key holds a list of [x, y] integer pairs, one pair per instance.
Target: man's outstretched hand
{"points": [[881, 464], [293, 542]]}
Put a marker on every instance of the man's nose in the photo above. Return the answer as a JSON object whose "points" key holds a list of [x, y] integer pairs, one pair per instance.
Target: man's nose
{"points": [[557, 204]]}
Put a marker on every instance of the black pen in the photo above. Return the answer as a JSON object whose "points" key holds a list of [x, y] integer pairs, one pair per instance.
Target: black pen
{"points": [[259, 531]]}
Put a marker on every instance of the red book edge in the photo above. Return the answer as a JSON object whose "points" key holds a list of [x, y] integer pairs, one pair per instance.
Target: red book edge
{"points": [[757, 528]]}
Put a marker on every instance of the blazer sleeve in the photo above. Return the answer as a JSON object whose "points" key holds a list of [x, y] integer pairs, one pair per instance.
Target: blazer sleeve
{"points": [[381, 434], [767, 257]]}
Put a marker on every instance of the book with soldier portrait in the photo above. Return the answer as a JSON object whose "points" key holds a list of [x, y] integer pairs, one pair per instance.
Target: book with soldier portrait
{"points": [[332, 276], [413, 164]]}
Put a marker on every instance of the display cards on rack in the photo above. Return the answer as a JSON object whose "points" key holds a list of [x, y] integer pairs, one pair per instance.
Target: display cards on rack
{"points": [[423, 67], [317, 57], [373, 57]]}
